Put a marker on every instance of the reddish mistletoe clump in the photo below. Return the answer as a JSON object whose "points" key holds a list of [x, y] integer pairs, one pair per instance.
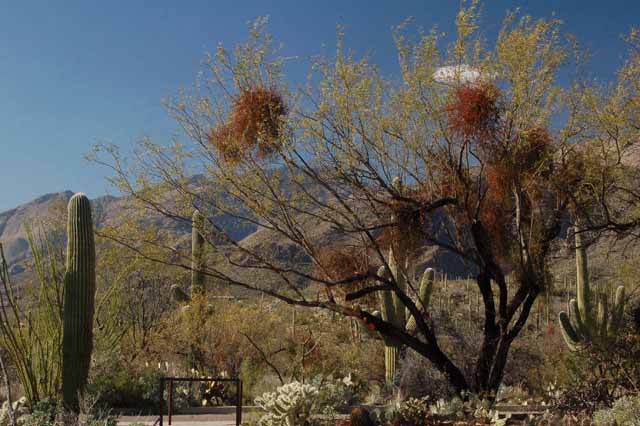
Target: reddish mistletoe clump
{"points": [[474, 112], [222, 139], [347, 265], [521, 163], [254, 125], [341, 263], [405, 235]]}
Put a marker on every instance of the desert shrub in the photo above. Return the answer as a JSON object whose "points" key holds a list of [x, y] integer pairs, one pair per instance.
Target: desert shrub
{"points": [[598, 375], [338, 394], [33, 346], [43, 413], [126, 388], [50, 413], [258, 343], [414, 411], [418, 379], [427, 411], [534, 363], [255, 380], [624, 412]]}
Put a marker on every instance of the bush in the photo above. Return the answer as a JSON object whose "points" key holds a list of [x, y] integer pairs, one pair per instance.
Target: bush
{"points": [[418, 379], [599, 375], [414, 411], [123, 388], [50, 413], [336, 394], [624, 412]]}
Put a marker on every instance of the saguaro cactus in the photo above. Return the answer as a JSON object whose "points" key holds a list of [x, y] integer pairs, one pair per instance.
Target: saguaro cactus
{"points": [[79, 295], [584, 325], [394, 311], [197, 253]]}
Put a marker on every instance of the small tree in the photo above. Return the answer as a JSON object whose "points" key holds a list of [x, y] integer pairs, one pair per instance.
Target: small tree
{"points": [[459, 154]]}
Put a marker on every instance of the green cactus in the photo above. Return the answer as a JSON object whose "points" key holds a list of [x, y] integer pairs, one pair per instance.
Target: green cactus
{"points": [[79, 299], [197, 252], [394, 311], [584, 325]]}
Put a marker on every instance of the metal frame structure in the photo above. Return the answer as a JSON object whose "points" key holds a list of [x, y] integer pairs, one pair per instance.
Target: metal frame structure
{"points": [[171, 380]]}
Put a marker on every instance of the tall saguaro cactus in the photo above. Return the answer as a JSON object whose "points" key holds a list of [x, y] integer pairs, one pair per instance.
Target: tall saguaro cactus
{"points": [[394, 311], [197, 253], [79, 295], [584, 324]]}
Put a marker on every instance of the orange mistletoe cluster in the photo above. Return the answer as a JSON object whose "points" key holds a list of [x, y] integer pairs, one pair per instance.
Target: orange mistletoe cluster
{"points": [[474, 111], [521, 161], [254, 125], [524, 163], [341, 263]]}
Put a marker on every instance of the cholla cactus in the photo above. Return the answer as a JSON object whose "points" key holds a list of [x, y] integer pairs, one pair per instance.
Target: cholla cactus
{"points": [[394, 311], [585, 325], [290, 405], [414, 410], [20, 411], [443, 407]]}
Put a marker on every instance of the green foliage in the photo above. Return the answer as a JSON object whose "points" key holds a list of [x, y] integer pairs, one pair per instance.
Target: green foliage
{"points": [[597, 376], [414, 411], [123, 387], [585, 325], [624, 412], [31, 331], [425, 412], [338, 394], [49, 413], [43, 413], [79, 300]]}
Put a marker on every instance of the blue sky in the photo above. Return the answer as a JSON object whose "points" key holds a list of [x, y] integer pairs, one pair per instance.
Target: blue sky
{"points": [[73, 73]]}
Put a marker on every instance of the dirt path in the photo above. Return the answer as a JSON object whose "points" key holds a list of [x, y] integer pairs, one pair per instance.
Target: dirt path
{"points": [[182, 420]]}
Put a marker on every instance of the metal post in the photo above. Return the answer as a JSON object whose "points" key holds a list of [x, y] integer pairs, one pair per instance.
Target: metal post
{"points": [[161, 399], [170, 400], [238, 402]]}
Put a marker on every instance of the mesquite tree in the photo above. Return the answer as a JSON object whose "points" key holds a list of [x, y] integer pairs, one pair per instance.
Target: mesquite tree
{"points": [[459, 152]]}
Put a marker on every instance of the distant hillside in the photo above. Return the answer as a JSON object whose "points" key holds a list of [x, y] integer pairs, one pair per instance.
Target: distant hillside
{"points": [[108, 210]]}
